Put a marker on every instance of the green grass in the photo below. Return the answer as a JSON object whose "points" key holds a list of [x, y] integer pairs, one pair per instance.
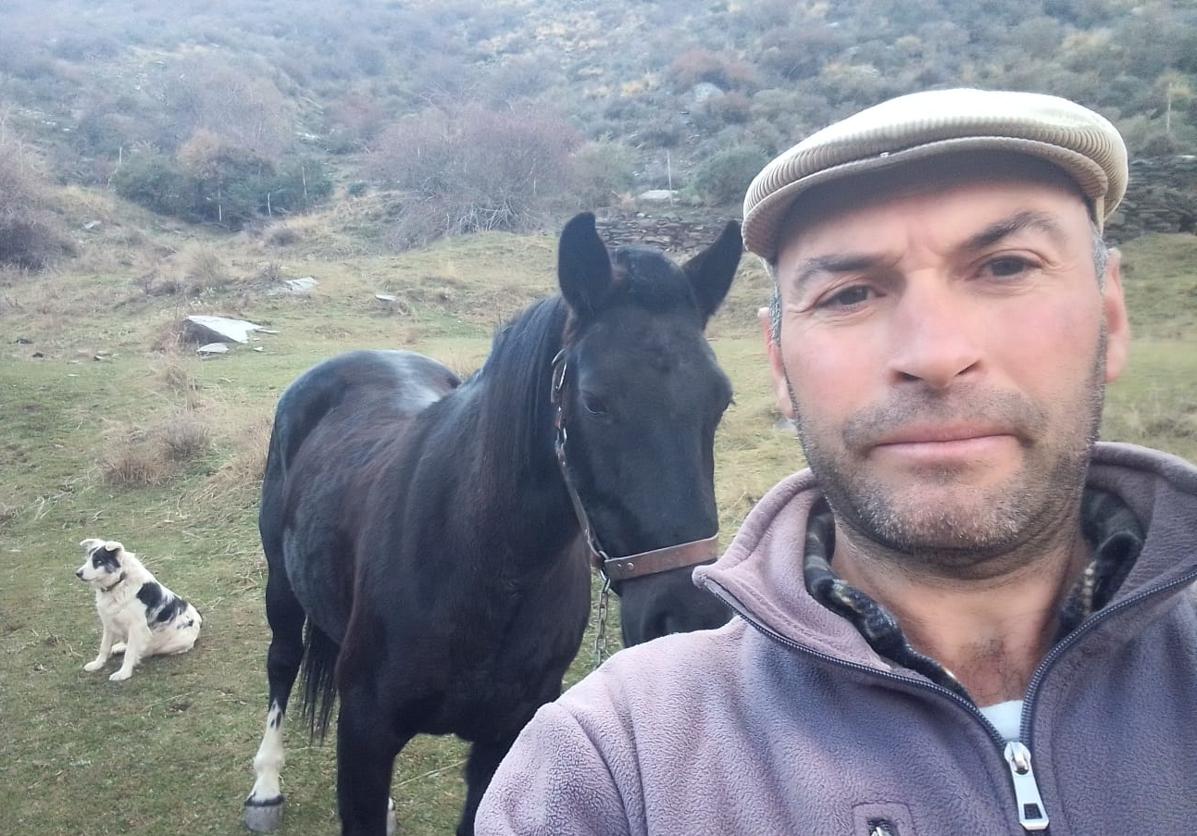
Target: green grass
{"points": [[80, 755]]}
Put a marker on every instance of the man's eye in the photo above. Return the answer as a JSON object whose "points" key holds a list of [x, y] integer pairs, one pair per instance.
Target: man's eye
{"points": [[848, 297], [1007, 266]]}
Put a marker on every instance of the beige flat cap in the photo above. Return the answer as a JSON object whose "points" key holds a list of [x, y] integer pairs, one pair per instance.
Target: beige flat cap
{"points": [[1080, 142]]}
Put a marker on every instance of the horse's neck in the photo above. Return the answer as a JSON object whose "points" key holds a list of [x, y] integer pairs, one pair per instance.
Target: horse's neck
{"points": [[517, 487]]}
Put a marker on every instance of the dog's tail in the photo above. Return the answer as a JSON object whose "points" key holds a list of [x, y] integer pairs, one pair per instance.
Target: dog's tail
{"points": [[319, 683]]}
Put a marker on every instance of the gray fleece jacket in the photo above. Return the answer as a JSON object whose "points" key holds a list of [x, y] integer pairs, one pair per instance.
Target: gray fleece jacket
{"points": [[786, 720]]}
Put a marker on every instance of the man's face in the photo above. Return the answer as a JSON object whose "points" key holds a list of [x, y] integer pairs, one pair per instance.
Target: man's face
{"points": [[944, 351]]}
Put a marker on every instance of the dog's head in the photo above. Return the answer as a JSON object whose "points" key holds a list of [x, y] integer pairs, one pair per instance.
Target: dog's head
{"points": [[103, 564]]}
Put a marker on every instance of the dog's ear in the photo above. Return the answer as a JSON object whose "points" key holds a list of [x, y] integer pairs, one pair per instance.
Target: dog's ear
{"points": [[90, 544], [114, 547]]}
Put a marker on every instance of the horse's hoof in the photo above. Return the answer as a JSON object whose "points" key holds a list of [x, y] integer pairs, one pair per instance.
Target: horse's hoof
{"points": [[392, 825], [264, 816]]}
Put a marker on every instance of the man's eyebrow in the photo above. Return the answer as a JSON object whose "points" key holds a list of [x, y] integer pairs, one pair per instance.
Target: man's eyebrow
{"points": [[1027, 219], [846, 263], [990, 235]]}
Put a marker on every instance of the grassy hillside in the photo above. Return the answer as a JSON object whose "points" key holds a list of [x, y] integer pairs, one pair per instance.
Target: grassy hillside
{"points": [[118, 431]]}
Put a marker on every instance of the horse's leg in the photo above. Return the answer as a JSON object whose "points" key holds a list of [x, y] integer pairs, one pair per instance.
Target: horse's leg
{"points": [[367, 744], [480, 768], [264, 806]]}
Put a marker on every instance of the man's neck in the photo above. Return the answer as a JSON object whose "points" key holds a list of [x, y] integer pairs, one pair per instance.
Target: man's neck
{"points": [[989, 632]]}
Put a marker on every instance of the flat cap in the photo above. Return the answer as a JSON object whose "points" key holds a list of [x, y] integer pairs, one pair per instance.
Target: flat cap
{"points": [[1080, 142]]}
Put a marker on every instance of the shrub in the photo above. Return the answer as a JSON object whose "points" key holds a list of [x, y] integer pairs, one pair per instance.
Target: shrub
{"points": [[215, 182], [724, 177], [156, 182], [31, 236]]}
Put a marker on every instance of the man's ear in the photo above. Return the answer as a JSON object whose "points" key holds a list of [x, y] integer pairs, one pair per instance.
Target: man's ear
{"points": [[781, 389], [1117, 325]]}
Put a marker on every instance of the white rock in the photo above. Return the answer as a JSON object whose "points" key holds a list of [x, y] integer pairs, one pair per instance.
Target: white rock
{"points": [[212, 349], [658, 195], [295, 287], [304, 285], [385, 297], [220, 328]]}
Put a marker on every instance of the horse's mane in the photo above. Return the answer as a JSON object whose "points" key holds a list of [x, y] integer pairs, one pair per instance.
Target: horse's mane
{"points": [[517, 376]]}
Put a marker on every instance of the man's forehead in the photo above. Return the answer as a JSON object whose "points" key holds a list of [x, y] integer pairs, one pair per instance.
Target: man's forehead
{"points": [[907, 188]]}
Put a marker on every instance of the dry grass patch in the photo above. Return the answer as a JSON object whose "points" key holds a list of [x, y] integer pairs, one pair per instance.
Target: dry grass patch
{"points": [[175, 376], [137, 457], [204, 270], [240, 476]]}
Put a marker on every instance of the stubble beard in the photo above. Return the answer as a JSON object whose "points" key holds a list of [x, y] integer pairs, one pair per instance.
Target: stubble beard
{"points": [[977, 532]]}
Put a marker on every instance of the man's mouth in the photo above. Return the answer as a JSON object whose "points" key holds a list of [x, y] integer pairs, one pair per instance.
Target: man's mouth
{"points": [[952, 441]]}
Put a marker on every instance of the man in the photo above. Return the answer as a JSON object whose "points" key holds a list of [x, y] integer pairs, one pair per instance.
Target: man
{"points": [[966, 617]]}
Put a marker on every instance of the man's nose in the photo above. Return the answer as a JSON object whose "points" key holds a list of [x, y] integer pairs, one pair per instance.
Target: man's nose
{"points": [[936, 336]]}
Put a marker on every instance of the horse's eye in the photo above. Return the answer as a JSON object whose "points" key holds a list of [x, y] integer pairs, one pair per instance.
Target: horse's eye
{"points": [[593, 405]]}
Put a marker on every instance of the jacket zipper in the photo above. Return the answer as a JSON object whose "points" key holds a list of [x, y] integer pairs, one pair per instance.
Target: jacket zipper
{"points": [[1017, 754]]}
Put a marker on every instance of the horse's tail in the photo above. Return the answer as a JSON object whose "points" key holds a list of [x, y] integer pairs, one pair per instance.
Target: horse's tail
{"points": [[319, 683]]}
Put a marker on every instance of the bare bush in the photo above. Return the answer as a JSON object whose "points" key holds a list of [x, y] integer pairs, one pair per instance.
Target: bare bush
{"points": [[237, 104], [473, 169], [185, 437]]}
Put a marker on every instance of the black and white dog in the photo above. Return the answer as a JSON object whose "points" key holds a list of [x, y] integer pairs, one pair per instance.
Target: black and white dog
{"points": [[140, 616]]}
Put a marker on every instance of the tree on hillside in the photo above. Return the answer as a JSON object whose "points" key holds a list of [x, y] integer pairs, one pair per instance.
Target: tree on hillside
{"points": [[226, 177]]}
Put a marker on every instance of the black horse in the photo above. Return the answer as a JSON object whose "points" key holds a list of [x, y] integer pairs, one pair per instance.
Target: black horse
{"points": [[427, 531]]}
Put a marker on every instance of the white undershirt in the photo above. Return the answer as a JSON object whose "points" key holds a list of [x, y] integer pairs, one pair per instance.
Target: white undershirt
{"points": [[1006, 717]]}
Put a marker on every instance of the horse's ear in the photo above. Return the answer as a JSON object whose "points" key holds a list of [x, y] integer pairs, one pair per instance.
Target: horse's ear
{"points": [[583, 265], [712, 270]]}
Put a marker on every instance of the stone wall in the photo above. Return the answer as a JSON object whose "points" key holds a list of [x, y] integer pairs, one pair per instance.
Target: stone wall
{"points": [[676, 230], [1161, 197]]}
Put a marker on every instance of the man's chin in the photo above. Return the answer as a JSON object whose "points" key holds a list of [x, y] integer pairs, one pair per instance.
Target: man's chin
{"points": [[944, 515]]}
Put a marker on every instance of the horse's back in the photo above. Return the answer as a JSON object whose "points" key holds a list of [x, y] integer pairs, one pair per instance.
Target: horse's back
{"points": [[328, 425], [404, 381]]}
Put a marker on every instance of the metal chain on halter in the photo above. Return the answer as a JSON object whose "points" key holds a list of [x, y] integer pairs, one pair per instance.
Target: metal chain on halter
{"points": [[596, 550], [600, 635]]}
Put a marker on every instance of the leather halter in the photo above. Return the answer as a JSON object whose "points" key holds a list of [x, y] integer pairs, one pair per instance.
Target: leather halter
{"points": [[633, 565]]}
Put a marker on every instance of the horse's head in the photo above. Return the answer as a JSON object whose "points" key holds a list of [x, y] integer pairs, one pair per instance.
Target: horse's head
{"points": [[643, 399]]}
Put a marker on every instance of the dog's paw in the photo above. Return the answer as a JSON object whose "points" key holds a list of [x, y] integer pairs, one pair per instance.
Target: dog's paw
{"points": [[119, 647], [93, 666], [120, 676]]}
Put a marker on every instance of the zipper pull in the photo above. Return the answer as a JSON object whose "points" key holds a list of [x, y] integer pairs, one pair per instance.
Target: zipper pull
{"points": [[1031, 814]]}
